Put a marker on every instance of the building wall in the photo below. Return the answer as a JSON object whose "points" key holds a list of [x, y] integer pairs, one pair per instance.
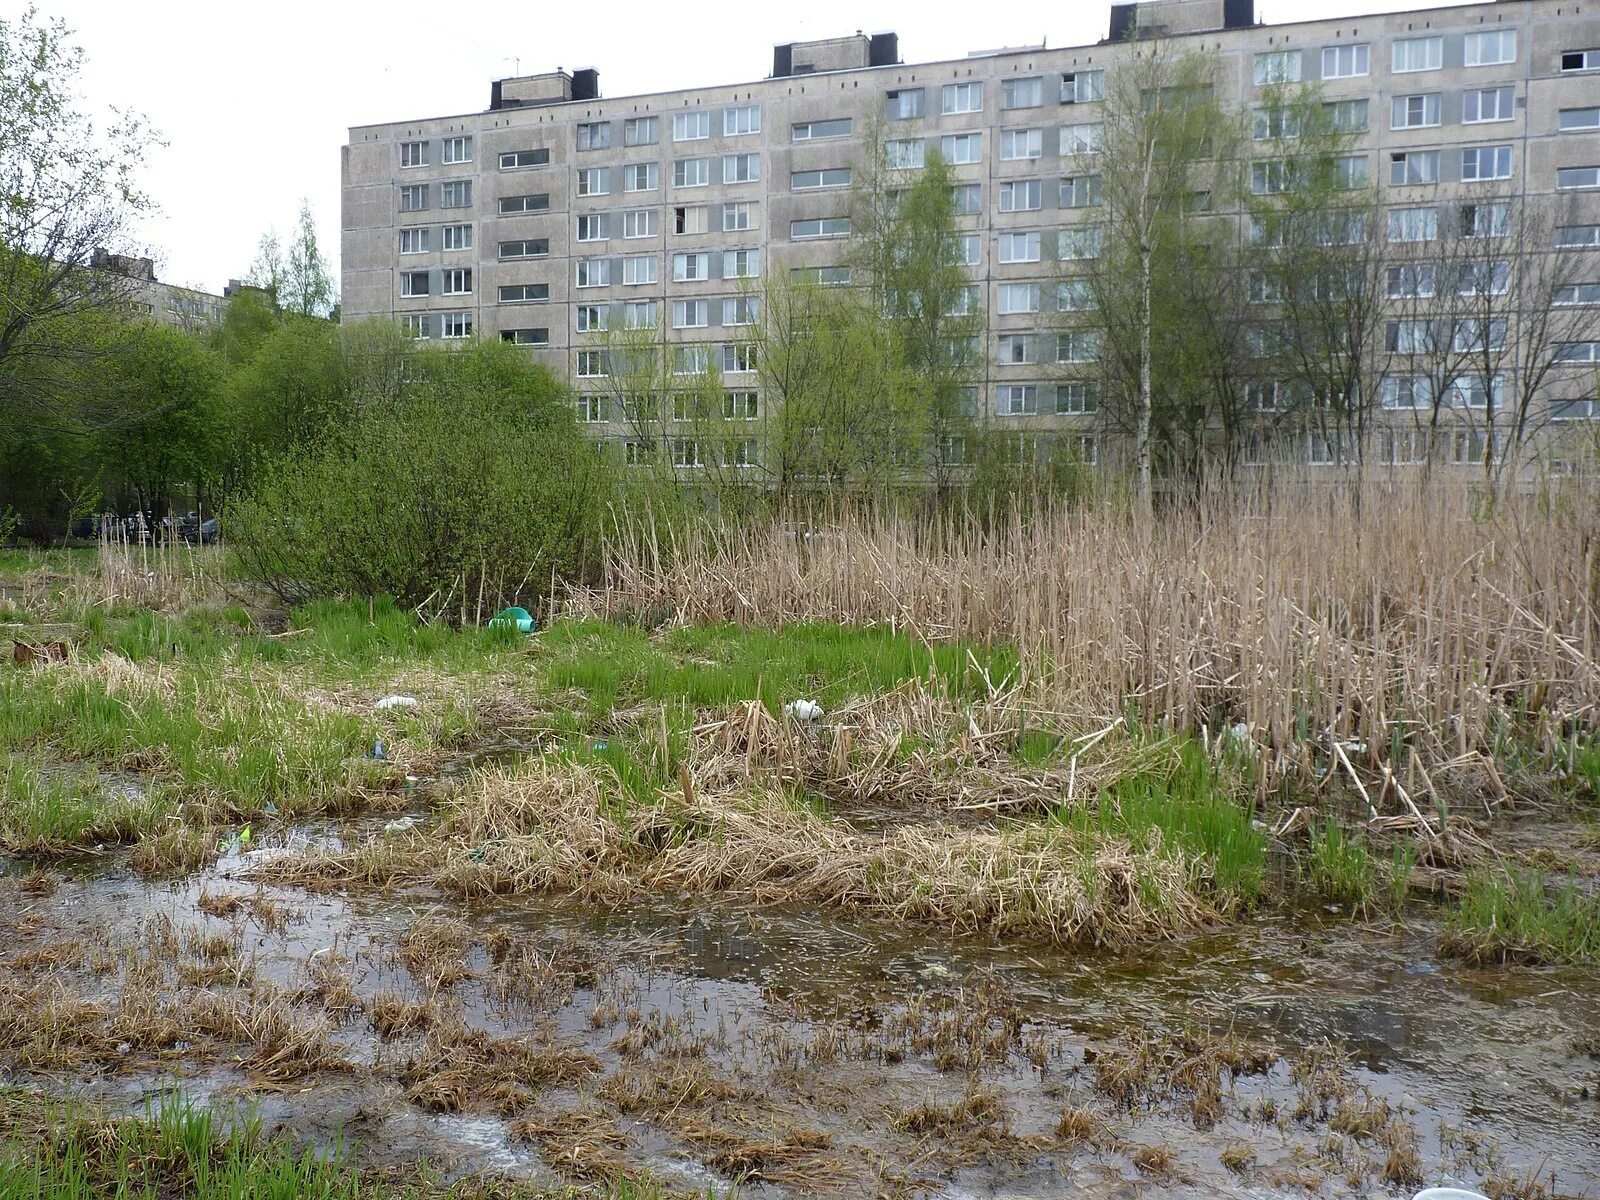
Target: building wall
{"points": [[373, 175]]}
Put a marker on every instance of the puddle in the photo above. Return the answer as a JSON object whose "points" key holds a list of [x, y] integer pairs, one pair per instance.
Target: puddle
{"points": [[804, 1042]]}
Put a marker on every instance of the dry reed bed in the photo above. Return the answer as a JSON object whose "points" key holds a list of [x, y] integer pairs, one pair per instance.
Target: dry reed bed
{"points": [[559, 827], [1376, 615]]}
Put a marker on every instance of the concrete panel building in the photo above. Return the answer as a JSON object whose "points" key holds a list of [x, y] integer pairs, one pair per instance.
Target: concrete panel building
{"points": [[555, 212]]}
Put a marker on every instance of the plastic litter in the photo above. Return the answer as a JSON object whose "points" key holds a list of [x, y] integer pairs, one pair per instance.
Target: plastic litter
{"points": [[396, 702], [602, 745], [1448, 1193], [803, 710], [236, 844], [513, 618], [378, 752], [401, 824]]}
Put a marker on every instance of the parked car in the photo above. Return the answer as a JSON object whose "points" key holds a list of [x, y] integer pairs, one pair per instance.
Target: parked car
{"points": [[192, 529]]}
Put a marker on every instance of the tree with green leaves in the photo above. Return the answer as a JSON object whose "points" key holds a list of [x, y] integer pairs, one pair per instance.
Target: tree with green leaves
{"points": [[67, 190], [169, 384]]}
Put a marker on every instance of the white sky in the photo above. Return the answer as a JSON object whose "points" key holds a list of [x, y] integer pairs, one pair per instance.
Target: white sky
{"points": [[254, 101]]}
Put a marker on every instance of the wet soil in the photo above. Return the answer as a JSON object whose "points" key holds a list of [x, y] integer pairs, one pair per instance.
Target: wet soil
{"points": [[797, 1052]]}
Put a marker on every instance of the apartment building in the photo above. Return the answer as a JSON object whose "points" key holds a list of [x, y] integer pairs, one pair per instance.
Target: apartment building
{"points": [[166, 303], [555, 214]]}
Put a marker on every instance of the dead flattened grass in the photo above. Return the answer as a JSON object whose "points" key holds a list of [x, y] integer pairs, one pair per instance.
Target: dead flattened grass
{"points": [[1078, 1125], [666, 1087], [327, 983], [1159, 1160], [461, 1068], [781, 1155], [979, 1106], [178, 849], [392, 1016], [581, 1144], [435, 951], [1195, 1065], [283, 1045], [558, 827], [538, 975]]}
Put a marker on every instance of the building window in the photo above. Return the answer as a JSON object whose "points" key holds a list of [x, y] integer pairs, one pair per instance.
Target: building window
{"points": [[691, 268], [968, 198], [1416, 112], [1418, 54], [1480, 106], [1474, 336], [594, 181], [1406, 392], [1351, 170], [824, 276], [1577, 235], [531, 248], [639, 453], [1082, 139], [1277, 66], [1016, 399], [820, 227], [741, 264], [691, 172], [641, 131], [905, 104], [1017, 144], [414, 241], [1491, 220], [456, 194], [689, 314], [1078, 398], [964, 301], [456, 325], [456, 281], [1413, 167], [1075, 295], [1274, 124], [457, 237], [1078, 243], [1483, 279], [1015, 298], [1346, 116], [691, 360], [593, 272], [737, 216], [1570, 179], [526, 337], [413, 283], [641, 177], [591, 409], [1491, 48], [1408, 337], [414, 197], [1015, 350], [739, 310], [1414, 281], [805, 181], [740, 406], [1019, 247], [457, 150], [511, 205], [524, 293], [746, 118], [962, 98], [1579, 120], [741, 168], [1083, 87], [639, 269], [1021, 195], [1346, 62], [690, 218], [413, 154], [594, 135], [1269, 177], [1078, 346], [739, 358], [640, 223], [1022, 93], [1580, 60], [962, 149], [1577, 352], [1485, 162], [641, 314], [1414, 225], [514, 160], [594, 227], [812, 131], [967, 247], [691, 126], [593, 364], [903, 154], [1080, 191], [416, 325], [1575, 295]]}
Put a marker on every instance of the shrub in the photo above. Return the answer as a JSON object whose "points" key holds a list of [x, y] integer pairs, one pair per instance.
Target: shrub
{"points": [[467, 489]]}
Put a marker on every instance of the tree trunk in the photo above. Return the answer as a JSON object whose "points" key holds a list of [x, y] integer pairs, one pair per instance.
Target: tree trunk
{"points": [[1146, 383]]}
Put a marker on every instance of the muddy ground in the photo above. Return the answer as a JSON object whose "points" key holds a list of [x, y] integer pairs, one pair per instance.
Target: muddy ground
{"points": [[795, 1052]]}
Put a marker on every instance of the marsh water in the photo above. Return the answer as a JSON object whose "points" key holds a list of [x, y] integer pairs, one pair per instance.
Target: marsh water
{"points": [[829, 1023]]}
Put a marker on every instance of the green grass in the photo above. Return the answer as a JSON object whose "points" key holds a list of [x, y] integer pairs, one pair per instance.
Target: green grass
{"points": [[1521, 917], [1193, 808], [62, 1151], [52, 813], [1339, 867]]}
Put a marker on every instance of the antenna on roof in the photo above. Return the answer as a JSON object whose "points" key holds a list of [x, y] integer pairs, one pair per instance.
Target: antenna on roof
{"points": [[516, 63]]}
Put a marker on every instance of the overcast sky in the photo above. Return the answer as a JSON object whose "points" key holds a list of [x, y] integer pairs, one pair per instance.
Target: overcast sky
{"points": [[254, 101]]}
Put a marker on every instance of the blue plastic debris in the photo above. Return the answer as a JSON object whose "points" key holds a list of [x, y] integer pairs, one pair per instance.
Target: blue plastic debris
{"points": [[519, 619]]}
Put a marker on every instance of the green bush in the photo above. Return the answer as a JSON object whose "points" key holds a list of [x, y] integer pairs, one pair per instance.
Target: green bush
{"points": [[471, 481]]}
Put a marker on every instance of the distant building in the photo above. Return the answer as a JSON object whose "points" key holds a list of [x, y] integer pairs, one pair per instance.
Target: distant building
{"points": [[168, 303]]}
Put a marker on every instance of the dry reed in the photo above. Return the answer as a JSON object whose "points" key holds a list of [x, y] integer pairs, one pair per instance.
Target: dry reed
{"points": [[1377, 618]]}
